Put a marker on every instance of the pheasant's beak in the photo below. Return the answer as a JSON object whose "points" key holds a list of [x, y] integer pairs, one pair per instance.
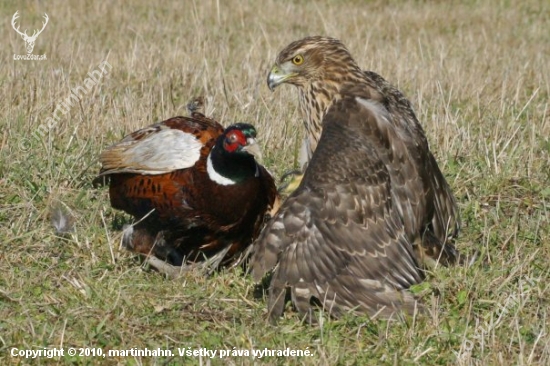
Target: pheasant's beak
{"points": [[253, 148], [277, 76]]}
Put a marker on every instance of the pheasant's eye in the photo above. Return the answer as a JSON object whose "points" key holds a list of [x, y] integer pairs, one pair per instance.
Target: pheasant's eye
{"points": [[231, 138], [298, 60]]}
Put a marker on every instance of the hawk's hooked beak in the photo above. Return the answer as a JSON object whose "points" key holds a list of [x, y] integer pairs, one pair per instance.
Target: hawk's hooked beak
{"points": [[253, 149], [277, 76]]}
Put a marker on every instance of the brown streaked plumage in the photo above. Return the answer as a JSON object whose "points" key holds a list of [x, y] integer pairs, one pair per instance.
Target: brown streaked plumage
{"points": [[196, 188], [373, 204]]}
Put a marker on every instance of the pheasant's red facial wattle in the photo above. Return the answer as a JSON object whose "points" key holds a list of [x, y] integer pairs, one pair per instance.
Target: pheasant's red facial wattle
{"points": [[233, 140]]}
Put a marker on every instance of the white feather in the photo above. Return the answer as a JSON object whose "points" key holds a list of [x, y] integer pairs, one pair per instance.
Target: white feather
{"points": [[158, 153], [215, 176]]}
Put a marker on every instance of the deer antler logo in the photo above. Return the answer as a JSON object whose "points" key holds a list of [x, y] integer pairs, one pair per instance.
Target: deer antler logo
{"points": [[29, 40]]}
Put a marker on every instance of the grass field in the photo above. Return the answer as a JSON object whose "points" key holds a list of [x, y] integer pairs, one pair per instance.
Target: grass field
{"points": [[477, 73]]}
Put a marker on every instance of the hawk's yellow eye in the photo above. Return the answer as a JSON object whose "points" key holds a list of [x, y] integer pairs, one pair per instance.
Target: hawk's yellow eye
{"points": [[298, 60]]}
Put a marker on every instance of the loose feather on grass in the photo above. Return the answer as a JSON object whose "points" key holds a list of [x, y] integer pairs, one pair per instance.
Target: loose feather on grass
{"points": [[62, 220]]}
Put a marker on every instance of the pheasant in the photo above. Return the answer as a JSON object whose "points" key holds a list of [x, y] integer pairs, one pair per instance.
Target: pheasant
{"points": [[196, 190]]}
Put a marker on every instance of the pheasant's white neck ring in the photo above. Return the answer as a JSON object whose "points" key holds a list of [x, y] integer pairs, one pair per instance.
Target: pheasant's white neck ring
{"points": [[214, 175]]}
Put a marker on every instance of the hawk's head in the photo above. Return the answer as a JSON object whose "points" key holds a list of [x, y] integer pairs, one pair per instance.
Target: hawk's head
{"points": [[309, 60]]}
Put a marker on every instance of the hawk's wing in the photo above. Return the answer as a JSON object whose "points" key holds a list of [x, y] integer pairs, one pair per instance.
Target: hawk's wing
{"points": [[340, 238], [445, 221]]}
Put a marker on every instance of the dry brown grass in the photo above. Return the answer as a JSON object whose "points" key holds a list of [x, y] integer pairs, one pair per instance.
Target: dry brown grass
{"points": [[478, 74]]}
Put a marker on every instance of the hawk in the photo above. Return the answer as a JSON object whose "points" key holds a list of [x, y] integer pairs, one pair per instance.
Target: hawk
{"points": [[373, 206]]}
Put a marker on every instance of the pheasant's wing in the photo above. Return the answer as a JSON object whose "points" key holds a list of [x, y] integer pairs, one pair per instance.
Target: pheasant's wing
{"points": [[161, 148]]}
